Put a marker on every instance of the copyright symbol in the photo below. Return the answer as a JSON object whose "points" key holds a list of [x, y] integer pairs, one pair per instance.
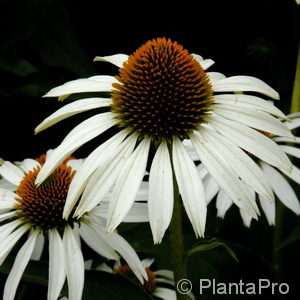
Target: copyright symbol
{"points": [[184, 286]]}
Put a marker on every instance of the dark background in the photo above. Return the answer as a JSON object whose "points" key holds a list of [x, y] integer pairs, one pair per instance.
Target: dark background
{"points": [[45, 43]]}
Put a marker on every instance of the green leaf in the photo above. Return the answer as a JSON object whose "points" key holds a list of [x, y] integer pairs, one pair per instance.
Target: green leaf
{"points": [[209, 245]]}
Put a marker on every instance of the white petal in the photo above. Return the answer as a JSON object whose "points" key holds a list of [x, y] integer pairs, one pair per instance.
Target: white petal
{"points": [[5, 184], [39, 247], [190, 187], [74, 264], [11, 173], [269, 209], [99, 158], [251, 141], [223, 203], [237, 160], [57, 272], [101, 83], [127, 185], [160, 202], [10, 240], [29, 164], [81, 134], [282, 188], [72, 109], [279, 139], [95, 241], [126, 251], [103, 178], [211, 187], [137, 213], [116, 59], [291, 150], [225, 177], [244, 84], [249, 101], [246, 218], [293, 124], [215, 76], [253, 118], [7, 215], [294, 175], [75, 164], [204, 63], [18, 268], [165, 293]]}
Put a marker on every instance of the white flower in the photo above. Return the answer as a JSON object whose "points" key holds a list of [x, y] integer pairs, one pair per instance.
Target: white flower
{"points": [[277, 179], [161, 96], [37, 211]]}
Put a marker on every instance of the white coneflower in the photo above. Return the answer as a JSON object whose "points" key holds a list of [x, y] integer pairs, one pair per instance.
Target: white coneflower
{"points": [[37, 210], [161, 96], [277, 179]]}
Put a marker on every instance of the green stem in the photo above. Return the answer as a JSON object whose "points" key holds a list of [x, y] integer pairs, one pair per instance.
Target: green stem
{"points": [[177, 242], [295, 104]]}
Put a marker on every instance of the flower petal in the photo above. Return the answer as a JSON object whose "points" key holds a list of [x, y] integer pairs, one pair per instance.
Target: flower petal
{"points": [[268, 208], [29, 164], [72, 109], [253, 118], [103, 178], [160, 202], [101, 83], [244, 84], [251, 141], [291, 150], [223, 203], [127, 185], [190, 187], [19, 266], [99, 158], [224, 176], [282, 188], [11, 173], [116, 59], [94, 240], [74, 264], [164, 293], [81, 134], [249, 101], [57, 272], [240, 162]]}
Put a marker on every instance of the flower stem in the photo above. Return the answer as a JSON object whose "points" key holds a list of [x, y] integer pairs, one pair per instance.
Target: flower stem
{"points": [[176, 241], [295, 104]]}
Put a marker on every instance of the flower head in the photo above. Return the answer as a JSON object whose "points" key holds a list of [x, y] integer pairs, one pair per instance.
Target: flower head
{"points": [[161, 96], [37, 210]]}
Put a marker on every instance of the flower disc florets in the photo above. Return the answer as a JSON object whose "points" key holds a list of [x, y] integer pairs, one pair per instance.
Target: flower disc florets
{"points": [[163, 91]]}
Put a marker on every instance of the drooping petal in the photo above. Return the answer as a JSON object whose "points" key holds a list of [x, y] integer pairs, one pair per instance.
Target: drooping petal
{"points": [[291, 150], [164, 293], [293, 124], [225, 177], [294, 175], [103, 178], [74, 264], [223, 203], [57, 272], [190, 187], [241, 163], [99, 158], [116, 59], [211, 188], [252, 141], [268, 208], [72, 109], [249, 101], [125, 250], [19, 266], [11, 173], [81, 134], [160, 202], [244, 84], [100, 83], [253, 118], [39, 247], [127, 185], [9, 240], [282, 188], [95, 241]]}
